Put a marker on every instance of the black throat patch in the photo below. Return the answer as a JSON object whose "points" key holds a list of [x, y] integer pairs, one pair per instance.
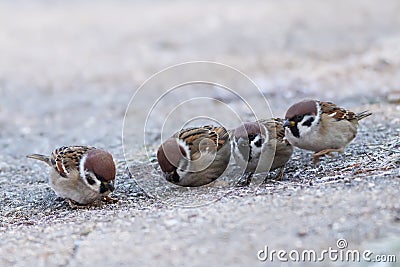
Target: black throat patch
{"points": [[103, 188], [295, 131], [175, 177], [308, 122], [258, 143]]}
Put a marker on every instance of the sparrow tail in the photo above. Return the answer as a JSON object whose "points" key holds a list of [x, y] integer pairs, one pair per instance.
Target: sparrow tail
{"points": [[43, 158], [363, 115]]}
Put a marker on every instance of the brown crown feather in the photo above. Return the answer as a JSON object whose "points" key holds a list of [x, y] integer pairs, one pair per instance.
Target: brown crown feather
{"points": [[169, 154], [101, 163], [248, 128], [302, 108], [67, 158]]}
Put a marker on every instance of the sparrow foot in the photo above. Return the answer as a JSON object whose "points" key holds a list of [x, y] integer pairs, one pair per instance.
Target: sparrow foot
{"points": [[109, 199], [280, 173], [59, 199], [244, 180], [270, 178], [75, 205], [328, 152], [316, 160]]}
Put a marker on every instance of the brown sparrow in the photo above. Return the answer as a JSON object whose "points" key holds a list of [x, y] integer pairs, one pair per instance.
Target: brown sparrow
{"points": [[195, 156], [260, 147], [321, 127], [81, 174]]}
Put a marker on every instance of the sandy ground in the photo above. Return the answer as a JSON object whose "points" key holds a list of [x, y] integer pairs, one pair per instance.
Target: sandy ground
{"points": [[69, 70]]}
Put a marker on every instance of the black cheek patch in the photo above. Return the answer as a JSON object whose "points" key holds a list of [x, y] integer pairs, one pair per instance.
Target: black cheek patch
{"points": [[252, 137], [308, 122], [100, 178], [175, 177], [258, 143], [295, 131]]}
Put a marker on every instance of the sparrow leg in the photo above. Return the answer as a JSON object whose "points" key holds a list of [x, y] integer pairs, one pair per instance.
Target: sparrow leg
{"points": [[316, 160], [279, 176], [328, 152], [109, 199], [59, 199], [75, 205], [245, 179]]}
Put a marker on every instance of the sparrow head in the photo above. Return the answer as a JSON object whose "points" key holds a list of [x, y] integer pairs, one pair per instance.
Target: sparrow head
{"points": [[98, 170], [301, 116], [170, 156], [249, 138]]}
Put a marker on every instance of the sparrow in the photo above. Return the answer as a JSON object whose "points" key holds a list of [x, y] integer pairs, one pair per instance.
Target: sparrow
{"points": [[80, 174], [322, 127], [260, 147], [195, 156]]}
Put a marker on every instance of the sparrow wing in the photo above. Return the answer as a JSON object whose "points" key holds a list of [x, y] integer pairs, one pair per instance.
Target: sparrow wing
{"points": [[275, 128], [67, 158], [338, 113], [219, 135], [204, 138]]}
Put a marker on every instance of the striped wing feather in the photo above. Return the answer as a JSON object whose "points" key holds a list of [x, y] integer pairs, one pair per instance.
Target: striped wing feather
{"points": [[336, 112], [275, 128], [201, 138], [66, 158]]}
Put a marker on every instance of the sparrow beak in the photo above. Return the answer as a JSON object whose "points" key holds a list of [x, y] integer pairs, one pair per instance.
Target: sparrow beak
{"points": [[107, 187], [111, 187], [172, 177], [168, 176], [289, 123]]}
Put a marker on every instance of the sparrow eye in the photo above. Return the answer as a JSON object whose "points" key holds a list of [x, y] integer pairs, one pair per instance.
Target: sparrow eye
{"points": [[100, 178], [252, 136], [106, 187], [299, 117], [89, 179], [176, 177]]}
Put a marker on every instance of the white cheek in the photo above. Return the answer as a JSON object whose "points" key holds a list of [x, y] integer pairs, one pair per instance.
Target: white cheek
{"points": [[180, 173], [97, 183], [82, 166], [304, 129], [255, 151], [183, 167], [288, 132], [237, 152], [256, 139], [185, 147], [183, 170]]}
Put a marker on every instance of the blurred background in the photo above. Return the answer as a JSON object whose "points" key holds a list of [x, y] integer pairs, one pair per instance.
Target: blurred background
{"points": [[67, 67], [68, 70]]}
